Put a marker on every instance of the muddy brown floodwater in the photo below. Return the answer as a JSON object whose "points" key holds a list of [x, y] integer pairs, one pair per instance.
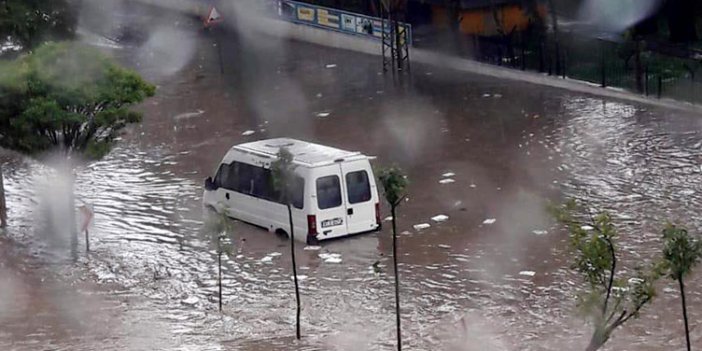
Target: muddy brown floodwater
{"points": [[149, 282]]}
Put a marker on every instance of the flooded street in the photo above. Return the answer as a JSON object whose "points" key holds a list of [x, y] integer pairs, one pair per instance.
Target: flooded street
{"points": [[494, 276]]}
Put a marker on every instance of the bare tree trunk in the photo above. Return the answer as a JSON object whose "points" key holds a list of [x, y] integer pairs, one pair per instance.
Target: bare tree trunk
{"points": [[684, 308], [294, 267], [397, 279], [72, 227], [3, 204], [219, 274], [599, 338]]}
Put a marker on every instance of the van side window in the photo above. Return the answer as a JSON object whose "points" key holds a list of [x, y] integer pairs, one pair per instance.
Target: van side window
{"points": [[245, 178], [297, 195], [226, 177], [328, 192], [358, 187]]}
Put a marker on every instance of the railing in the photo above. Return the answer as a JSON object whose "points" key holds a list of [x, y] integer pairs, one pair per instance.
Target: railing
{"points": [[630, 65], [336, 20]]}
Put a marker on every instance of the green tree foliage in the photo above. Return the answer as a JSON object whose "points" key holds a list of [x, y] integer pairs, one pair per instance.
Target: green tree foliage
{"points": [[218, 228], [609, 299], [681, 253], [28, 23], [66, 97], [394, 183], [283, 170]]}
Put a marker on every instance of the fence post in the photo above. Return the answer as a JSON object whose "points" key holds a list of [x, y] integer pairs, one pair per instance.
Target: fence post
{"points": [[660, 86], [563, 64], [646, 80], [541, 55], [523, 51], [603, 77]]}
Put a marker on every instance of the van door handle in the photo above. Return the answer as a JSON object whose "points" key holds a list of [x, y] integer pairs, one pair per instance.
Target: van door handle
{"points": [[349, 211]]}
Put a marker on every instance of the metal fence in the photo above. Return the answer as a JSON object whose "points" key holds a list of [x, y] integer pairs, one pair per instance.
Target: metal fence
{"points": [[629, 65]]}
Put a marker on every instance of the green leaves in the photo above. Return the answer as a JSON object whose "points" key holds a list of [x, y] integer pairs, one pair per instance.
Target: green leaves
{"points": [[609, 299], [394, 183], [283, 170], [218, 226], [69, 97], [31, 22], [681, 252]]}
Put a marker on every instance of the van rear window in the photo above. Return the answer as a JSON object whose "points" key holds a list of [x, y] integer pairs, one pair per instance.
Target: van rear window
{"points": [[328, 192], [358, 187]]}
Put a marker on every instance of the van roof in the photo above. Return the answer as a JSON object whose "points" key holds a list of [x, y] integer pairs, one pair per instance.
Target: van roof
{"points": [[304, 153]]}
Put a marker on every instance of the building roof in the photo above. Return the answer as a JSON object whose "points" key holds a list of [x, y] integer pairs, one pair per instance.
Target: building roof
{"points": [[305, 153]]}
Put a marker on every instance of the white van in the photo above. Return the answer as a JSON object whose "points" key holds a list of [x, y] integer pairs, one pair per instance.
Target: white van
{"points": [[335, 194]]}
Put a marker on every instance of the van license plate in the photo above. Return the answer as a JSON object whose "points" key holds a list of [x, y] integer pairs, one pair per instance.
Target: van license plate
{"points": [[332, 222]]}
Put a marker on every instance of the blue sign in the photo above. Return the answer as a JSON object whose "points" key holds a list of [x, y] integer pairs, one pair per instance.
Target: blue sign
{"points": [[337, 20]]}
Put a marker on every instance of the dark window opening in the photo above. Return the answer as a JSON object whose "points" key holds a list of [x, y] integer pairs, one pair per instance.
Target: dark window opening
{"points": [[328, 192], [358, 187]]}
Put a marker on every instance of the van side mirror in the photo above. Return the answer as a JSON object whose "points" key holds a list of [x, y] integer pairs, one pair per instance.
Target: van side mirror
{"points": [[209, 184]]}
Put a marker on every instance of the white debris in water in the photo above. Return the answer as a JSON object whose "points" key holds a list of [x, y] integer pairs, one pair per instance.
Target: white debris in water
{"points": [[275, 254], [330, 257], [312, 248], [486, 95], [388, 219], [687, 192], [331, 65], [497, 96], [446, 181], [192, 300], [587, 227], [444, 246], [448, 174], [319, 95], [333, 260], [527, 273], [267, 259], [472, 185], [635, 281], [188, 115], [323, 114], [406, 232], [540, 232], [440, 218], [421, 226], [299, 277], [489, 221], [248, 132], [670, 291]]}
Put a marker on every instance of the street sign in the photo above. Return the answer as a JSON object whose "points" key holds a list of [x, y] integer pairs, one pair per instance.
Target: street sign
{"points": [[86, 216], [213, 17]]}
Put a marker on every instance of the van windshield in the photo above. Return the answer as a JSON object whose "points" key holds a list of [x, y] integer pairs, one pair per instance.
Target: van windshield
{"points": [[328, 192]]}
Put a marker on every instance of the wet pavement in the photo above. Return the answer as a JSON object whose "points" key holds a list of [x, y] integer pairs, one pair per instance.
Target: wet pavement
{"points": [[493, 276]]}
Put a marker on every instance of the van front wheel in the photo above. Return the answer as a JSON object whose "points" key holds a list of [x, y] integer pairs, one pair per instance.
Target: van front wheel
{"points": [[281, 233]]}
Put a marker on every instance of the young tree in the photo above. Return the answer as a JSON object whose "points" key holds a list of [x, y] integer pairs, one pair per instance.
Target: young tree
{"points": [[609, 299], [283, 181], [218, 227], [28, 23], [681, 253], [394, 183], [67, 99]]}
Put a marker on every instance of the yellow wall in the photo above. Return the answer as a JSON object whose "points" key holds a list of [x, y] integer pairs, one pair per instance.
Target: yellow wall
{"points": [[482, 21]]}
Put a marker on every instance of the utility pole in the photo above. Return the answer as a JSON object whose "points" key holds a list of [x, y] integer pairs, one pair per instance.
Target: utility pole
{"points": [[394, 35]]}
